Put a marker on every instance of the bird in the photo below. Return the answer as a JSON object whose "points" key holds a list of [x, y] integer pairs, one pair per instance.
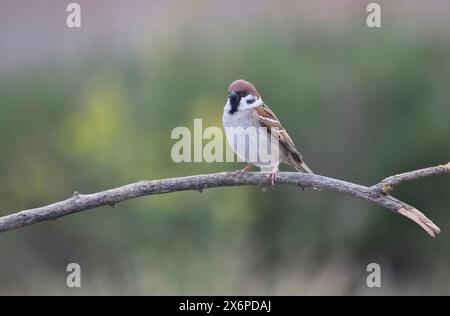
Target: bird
{"points": [[253, 129]]}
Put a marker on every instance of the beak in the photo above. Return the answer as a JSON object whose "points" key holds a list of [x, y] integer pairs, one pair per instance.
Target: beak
{"points": [[234, 98]]}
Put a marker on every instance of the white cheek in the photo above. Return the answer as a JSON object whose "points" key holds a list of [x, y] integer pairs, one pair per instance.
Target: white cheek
{"points": [[243, 105]]}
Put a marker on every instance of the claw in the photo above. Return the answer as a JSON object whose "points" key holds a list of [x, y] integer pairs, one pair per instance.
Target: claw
{"points": [[272, 178]]}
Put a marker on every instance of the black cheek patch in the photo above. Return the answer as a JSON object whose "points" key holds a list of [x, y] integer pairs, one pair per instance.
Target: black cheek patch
{"points": [[251, 101]]}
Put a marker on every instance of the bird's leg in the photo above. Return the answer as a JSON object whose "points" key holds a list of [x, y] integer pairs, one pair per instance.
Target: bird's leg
{"points": [[245, 169], [273, 176]]}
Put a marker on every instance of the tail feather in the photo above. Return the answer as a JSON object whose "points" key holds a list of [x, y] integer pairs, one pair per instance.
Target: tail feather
{"points": [[303, 167]]}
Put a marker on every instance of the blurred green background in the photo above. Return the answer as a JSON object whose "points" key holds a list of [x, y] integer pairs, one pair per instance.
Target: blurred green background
{"points": [[93, 108]]}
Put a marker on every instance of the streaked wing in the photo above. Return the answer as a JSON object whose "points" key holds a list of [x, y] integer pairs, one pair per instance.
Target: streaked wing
{"points": [[268, 119]]}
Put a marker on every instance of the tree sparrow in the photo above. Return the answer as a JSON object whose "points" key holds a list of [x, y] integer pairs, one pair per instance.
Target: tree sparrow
{"points": [[253, 131]]}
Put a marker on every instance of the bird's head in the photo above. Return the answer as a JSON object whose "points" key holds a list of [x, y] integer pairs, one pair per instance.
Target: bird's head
{"points": [[242, 95]]}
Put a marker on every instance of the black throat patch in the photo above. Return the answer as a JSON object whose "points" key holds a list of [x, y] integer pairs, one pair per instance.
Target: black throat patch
{"points": [[234, 102], [233, 110]]}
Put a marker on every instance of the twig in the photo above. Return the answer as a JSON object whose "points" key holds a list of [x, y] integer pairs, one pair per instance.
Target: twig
{"points": [[376, 194], [388, 184]]}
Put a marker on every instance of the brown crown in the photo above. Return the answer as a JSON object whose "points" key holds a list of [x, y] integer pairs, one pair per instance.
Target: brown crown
{"points": [[243, 86]]}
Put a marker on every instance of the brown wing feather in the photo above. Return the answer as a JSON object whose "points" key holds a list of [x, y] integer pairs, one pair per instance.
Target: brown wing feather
{"points": [[268, 119]]}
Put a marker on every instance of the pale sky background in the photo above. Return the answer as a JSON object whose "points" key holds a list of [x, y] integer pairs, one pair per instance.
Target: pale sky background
{"points": [[34, 32]]}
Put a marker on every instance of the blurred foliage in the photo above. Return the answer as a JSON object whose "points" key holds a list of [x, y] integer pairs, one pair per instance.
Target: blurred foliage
{"points": [[360, 105]]}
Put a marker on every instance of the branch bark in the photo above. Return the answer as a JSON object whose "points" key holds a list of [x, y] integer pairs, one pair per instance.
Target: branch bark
{"points": [[377, 194]]}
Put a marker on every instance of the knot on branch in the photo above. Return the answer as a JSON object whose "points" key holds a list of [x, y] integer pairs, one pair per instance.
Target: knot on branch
{"points": [[385, 189]]}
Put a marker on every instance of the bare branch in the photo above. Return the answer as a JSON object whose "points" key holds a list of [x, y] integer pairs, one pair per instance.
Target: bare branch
{"points": [[387, 184], [376, 194]]}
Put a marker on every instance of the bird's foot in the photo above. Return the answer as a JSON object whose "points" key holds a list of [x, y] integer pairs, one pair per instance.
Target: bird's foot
{"points": [[272, 178]]}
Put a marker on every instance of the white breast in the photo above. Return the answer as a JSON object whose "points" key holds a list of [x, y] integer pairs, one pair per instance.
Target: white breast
{"points": [[249, 141]]}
